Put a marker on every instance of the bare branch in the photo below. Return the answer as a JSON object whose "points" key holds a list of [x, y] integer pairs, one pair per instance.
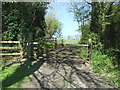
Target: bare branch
{"points": [[88, 2]]}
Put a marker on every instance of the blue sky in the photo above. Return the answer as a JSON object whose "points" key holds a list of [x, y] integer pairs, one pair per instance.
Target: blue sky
{"points": [[61, 11]]}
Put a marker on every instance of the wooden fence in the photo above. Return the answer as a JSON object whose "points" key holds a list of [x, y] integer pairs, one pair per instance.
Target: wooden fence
{"points": [[11, 42], [88, 46], [31, 46]]}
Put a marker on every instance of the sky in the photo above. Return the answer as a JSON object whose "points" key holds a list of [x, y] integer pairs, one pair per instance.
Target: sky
{"points": [[61, 11]]}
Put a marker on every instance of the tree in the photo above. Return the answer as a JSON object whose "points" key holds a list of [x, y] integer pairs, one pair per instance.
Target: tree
{"points": [[54, 27], [103, 26], [21, 18], [101, 21], [81, 13], [85, 32], [111, 33]]}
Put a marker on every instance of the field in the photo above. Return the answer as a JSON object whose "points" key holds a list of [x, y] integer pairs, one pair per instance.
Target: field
{"points": [[69, 41]]}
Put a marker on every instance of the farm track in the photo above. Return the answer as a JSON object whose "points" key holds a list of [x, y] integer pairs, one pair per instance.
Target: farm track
{"points": [[63, 68]]}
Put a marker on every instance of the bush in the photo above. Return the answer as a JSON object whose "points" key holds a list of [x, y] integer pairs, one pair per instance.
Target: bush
{"points": [[115, 53]]}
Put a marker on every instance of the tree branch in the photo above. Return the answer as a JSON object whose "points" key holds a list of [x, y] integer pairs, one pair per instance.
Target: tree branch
{"points": [[88, 2]]}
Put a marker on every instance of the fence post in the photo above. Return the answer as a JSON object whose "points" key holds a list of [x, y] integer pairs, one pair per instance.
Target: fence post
{"points": [[21, 49], [30, 46], [55, 43], [38, 49], [89, 49], [25, 48], [62, 43], [45, 48]]}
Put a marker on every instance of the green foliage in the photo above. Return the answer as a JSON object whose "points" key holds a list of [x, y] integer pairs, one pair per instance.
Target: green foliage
{"points": [[82, 52], [103, 64], [54, 27], [10, 22], [96, 43], [115, 53], [103, 29], [85, 32], [7, 71], [20, 18]]}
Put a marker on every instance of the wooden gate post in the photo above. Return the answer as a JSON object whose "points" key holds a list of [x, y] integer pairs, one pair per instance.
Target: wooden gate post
{"points": [[30, 46], [89, 49], [62, 43], [21, 50], [55, 43], [45, 48], [38, 49], [25, 48]]}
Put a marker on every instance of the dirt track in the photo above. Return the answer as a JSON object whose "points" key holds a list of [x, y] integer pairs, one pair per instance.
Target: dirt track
{"points": [[62, 71]]}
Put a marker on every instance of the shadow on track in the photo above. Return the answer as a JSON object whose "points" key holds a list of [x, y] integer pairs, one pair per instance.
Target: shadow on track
{"points": [[21, 72]]}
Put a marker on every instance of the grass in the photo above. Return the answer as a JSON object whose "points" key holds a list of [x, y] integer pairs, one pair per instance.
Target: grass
{"points": [[102, 64], [13, 76], [82, 51], [69, 41], [7, 72]]}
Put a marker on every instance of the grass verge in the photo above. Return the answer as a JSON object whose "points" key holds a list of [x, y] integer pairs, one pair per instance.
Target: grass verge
{"points": [[8, 71], [103, 65], [15, 75]]}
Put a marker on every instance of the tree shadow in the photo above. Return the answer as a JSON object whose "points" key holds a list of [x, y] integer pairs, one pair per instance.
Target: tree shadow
{"points": [[64, 74], [68, 73], [90, 79], [21, 72], [56, 74]]}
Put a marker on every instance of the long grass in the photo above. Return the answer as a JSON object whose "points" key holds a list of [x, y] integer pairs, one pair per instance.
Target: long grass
{"points": [[103, 65]]}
